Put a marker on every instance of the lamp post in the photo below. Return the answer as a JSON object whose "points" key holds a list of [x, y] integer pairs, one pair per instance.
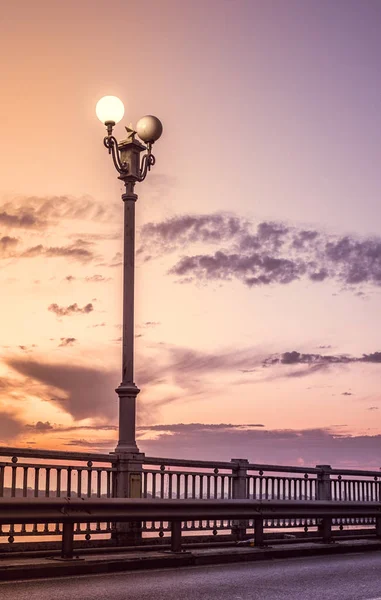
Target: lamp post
{"points": [[131, 169]]}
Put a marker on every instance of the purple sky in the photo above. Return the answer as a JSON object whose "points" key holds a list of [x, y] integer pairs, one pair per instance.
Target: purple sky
{"points": [[258, 231]]}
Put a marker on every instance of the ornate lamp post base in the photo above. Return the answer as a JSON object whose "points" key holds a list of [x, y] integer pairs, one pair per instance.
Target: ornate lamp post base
{"points": [[127, 417]]}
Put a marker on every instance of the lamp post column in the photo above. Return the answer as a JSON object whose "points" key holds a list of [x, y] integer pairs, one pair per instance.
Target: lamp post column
{"points": [[127, 391], [129, 467]]}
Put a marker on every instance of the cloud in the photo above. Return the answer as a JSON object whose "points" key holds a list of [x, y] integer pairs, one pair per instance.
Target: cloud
{"points": [[73, 252], [374, 357], [80, 391], [34, 212], [73, 309], [274, 253], [298, 358], [40, 427], [283, 447], [347, 394], [313, 363], [69, 341], [25, 221], [308, 447], [27, 348], [185, 427], [7, 246], [10, 427], [182, 230], [97, 279], [188, 369]]}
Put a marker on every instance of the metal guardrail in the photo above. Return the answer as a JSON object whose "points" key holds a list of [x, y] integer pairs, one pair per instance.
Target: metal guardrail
{"points": [[69, 511]]}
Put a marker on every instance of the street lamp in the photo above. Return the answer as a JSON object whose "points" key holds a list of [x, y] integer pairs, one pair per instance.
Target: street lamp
{"points": [[126, 159]]}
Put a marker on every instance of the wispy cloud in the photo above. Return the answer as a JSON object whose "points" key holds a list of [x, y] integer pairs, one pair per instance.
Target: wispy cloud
{"points": [[274, 253], [68, 341], [307, 447], [82, 392], [10, 426], [34, 212], [73, 309], [73, 252], [7, 246]]}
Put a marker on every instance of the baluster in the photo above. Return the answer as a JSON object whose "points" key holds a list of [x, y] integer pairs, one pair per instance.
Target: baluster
{"points": [[170, 477], [223, 487], [346, 489], [186, 477], [178, 488], [47, 482], [162, 484], [79, 483], [2, 469], [109, 484], [36, 481], [89, 473], [145, 483], [154, 485], [215, 487], [58, 482], [99, 482], [262, 486], [193, 486], [201, 486], [13, 483], [25, 482], [208, 496]]}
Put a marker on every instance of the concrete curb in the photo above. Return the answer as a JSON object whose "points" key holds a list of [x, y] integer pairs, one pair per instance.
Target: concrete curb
{"points": [[51, 567]]}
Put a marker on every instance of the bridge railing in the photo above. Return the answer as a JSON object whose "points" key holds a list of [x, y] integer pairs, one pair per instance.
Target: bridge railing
{"points": [[36, 473], [70, 511], [55, 474]]}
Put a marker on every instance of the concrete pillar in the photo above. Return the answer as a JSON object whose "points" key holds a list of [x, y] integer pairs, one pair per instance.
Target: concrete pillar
{"points": [[324, 493], [239, 491], [128, 484]]}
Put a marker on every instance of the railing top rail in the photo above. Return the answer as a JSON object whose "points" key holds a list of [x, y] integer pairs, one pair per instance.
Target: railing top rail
{"points": [[356, 472], [283, 469], [56, 454], [208, 464], [66, 467], [182, 462], [59, 510]]}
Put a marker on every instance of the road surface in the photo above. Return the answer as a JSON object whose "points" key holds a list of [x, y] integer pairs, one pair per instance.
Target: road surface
{"points": [[345, 577]]}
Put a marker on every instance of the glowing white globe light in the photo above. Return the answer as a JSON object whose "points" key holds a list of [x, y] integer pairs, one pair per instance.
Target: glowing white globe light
{"points": [[149, 129], [110, 109]]}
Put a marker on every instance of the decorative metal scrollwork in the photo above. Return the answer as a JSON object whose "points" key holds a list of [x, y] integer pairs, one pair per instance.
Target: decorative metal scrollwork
{"points": [[111, 144], [148, 161]]}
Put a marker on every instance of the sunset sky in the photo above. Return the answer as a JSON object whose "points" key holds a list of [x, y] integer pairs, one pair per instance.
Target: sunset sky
{"points": [[258, 269]]}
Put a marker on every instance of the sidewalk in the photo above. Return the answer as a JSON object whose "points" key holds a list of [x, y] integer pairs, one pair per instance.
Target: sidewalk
{"points": [[13, 568]]}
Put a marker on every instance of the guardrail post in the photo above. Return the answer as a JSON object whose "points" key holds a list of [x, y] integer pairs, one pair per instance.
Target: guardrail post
{"points": [[323, 492], [239, 491], [258, 532], [128, 484], [67, 540], [378, 527], [176, 536]]}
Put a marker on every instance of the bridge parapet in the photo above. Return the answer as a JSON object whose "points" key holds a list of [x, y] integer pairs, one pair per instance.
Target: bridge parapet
{"points": [[54, 474]]}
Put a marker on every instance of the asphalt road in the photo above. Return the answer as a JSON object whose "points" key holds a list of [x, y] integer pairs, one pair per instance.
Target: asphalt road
{"points": [[345, 577]]}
